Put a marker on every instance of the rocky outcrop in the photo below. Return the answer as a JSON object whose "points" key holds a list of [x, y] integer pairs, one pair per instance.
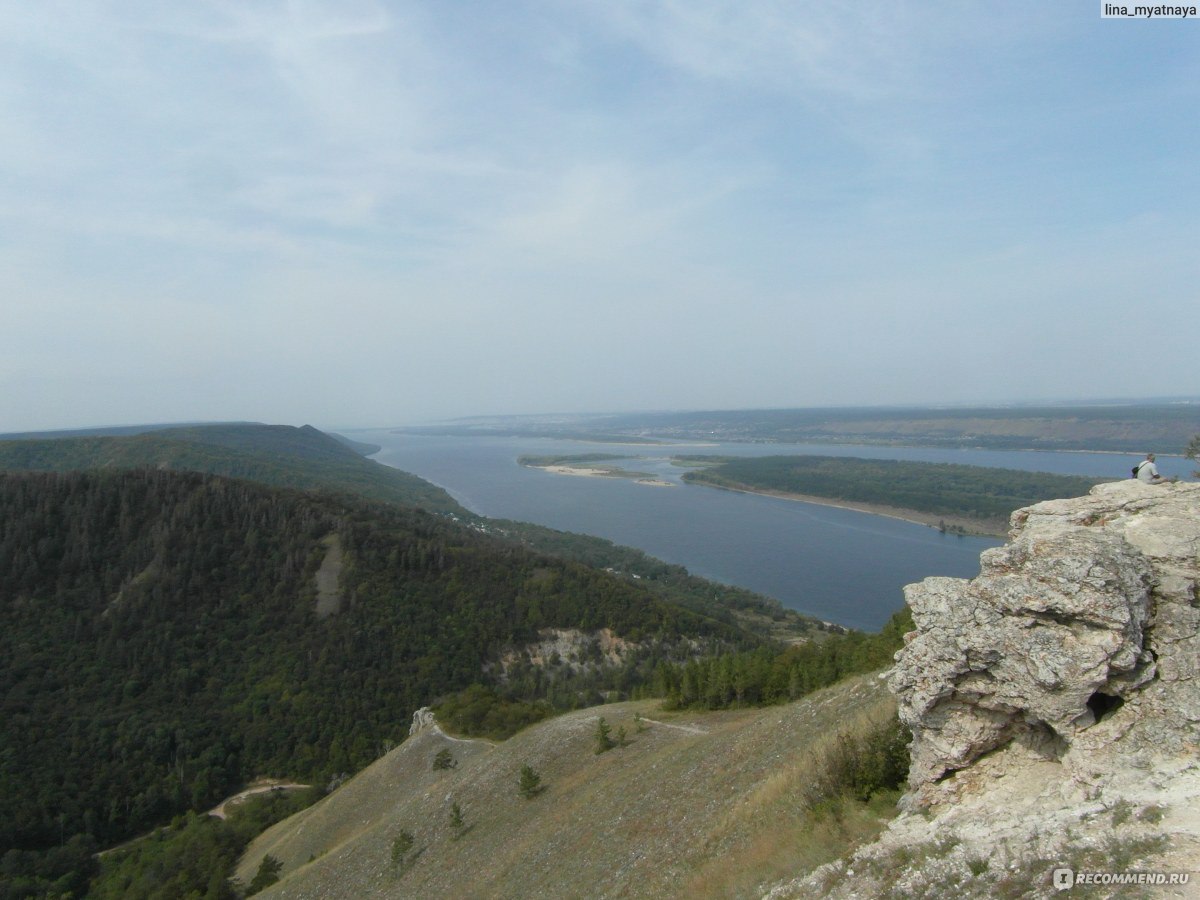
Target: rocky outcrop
{"points": [[1054, 702], [1089, 614], [422, 720]]}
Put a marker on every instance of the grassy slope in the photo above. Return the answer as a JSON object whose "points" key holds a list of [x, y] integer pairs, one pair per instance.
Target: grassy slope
{"points": [[710, 811], [278, 455]]}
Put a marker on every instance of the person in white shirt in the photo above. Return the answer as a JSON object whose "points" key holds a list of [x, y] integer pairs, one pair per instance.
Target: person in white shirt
{"points": [[1148, 472]]}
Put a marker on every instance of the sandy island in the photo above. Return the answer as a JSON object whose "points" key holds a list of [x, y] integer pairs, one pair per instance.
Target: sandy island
{"points": [[613, 472], [958, 524]]}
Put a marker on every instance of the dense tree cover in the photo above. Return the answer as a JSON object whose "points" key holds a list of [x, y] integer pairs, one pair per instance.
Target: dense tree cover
{"points": [[62, 871], [307, 459], [280, 455], [770, 675], [938, 488], [196, 855], [161, 644], [482, 711]]}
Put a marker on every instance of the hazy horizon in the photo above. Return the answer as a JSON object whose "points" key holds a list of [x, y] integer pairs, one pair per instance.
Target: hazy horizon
{"points": [[386, 212], [345, 426]]}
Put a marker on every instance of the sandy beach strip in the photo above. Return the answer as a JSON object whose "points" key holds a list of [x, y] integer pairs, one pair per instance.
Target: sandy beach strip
{"points": [[576, 470], [974, 527], [614, 472]]}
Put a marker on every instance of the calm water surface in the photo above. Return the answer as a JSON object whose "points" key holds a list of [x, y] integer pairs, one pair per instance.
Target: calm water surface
{"points": [[839, 565]]}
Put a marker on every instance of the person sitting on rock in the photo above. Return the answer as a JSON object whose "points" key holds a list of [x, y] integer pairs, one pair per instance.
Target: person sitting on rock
{"points": [[1148, 472]]}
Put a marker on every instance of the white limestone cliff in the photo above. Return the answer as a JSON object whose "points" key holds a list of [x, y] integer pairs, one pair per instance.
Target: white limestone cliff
{"points": [[1054, 702]]}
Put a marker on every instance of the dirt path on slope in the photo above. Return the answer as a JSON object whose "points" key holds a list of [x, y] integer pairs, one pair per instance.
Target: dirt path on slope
{"points": [[219, 810]]}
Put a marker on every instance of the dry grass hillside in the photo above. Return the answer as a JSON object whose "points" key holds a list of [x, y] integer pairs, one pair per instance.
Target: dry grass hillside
{"points": [[695, 805]]}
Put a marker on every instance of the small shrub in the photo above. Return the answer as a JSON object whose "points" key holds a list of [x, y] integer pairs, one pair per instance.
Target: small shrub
{"points": [[1153, 814], [530, 783], [1121, 811], [1122, 855], [861, 766], [443, 759], [400, 847]]}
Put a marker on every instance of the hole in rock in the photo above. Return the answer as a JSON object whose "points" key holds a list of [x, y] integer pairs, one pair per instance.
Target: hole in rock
{"points": [[1103, 705]]}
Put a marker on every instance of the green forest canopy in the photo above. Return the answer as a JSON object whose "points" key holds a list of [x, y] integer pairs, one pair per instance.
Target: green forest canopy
{"points": [[279, 455], [310, 460], [951, 489], [161, 644]]}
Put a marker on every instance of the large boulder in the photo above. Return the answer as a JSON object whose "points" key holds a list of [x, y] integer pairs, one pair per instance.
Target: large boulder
{"points": [[1080, 633]]}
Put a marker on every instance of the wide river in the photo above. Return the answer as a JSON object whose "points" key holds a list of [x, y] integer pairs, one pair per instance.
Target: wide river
{"points": [[836, 564]]}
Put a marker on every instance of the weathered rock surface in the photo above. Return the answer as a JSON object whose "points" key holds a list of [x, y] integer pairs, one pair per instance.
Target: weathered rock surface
{"points": [[1055, 707], [1089, 615], [422, 720]]}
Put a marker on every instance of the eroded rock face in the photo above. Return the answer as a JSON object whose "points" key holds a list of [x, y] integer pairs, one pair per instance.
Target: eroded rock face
{"points": [[1088, 617], [422, 720]]}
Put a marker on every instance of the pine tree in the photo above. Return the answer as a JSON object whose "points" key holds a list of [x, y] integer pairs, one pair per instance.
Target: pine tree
{"points": [[603, 742], [456, 819], [400, 847], [443, 760], [267, 874], [530, 783]]}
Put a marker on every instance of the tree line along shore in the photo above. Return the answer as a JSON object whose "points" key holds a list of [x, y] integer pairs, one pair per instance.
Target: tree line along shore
{"points": [[951, 496]]}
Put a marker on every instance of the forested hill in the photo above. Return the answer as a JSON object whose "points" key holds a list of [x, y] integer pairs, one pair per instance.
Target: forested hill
{"points": [[281, 455], [311, 460], [162, 644]]}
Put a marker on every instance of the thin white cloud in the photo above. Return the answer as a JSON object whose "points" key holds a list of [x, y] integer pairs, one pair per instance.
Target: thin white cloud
{"points": [[859, 51], [698, 200]]}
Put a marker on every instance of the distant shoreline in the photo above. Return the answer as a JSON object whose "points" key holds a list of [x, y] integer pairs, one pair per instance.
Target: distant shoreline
{"points": [[955, 524]]}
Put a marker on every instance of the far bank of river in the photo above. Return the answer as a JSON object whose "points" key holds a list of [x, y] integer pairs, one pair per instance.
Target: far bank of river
{"points": [[996, 527]]}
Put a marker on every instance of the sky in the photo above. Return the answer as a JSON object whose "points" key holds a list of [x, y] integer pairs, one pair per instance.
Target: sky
{"points": [[373, 213]]}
